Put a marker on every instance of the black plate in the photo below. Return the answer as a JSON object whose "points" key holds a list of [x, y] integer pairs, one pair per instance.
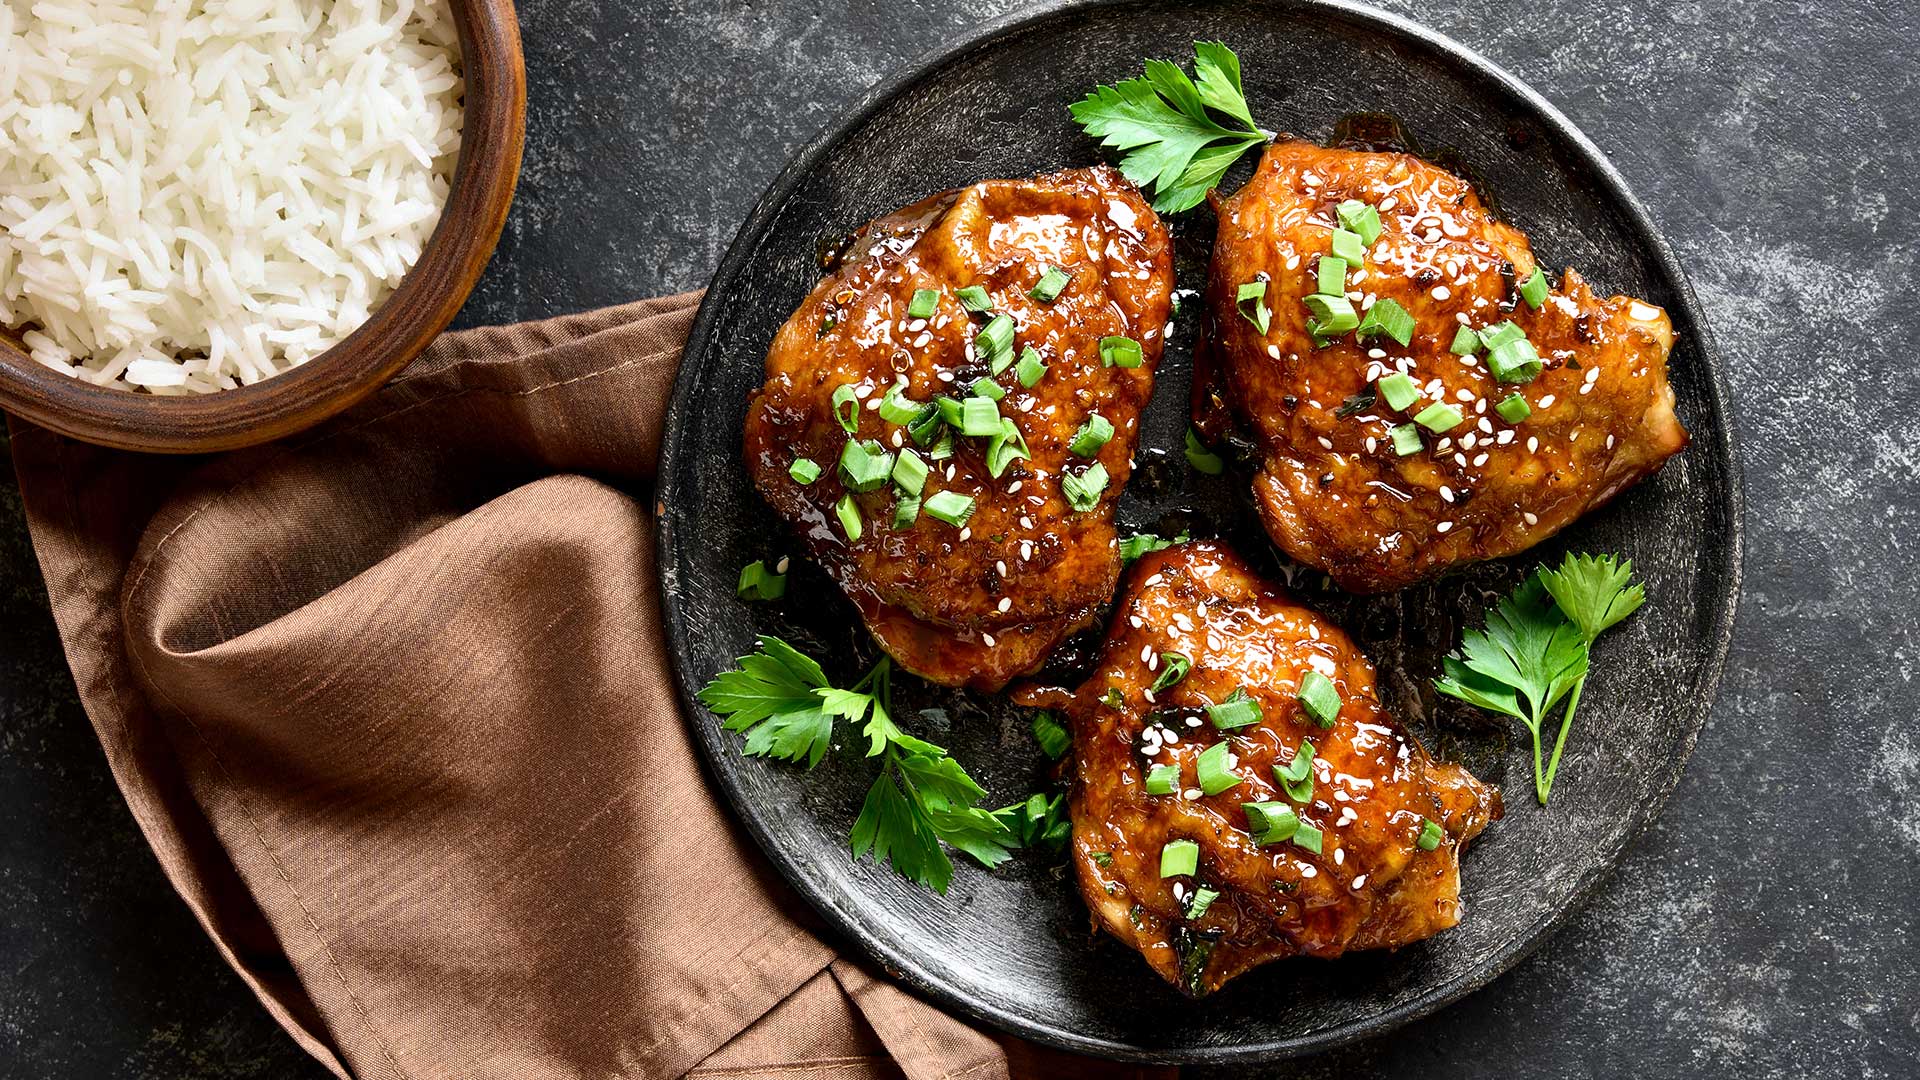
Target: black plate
{"points": [[1012, 947]]}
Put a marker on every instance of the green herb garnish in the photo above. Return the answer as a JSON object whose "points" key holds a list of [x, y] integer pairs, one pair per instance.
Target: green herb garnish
{"points": [[1201, 458], [759, 583], [1165, 122], [1051, 735], [780, 699], [1535, 649]]}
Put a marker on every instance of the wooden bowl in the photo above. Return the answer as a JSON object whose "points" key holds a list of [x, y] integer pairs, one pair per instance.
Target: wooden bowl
{"points": [[426, 300]]}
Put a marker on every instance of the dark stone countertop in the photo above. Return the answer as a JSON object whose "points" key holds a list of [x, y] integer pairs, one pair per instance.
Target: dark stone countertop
{"points": [[1763, 927]]}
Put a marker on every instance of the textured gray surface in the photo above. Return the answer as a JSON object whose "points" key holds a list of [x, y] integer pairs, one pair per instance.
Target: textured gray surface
{"points": [[1764, 926]]}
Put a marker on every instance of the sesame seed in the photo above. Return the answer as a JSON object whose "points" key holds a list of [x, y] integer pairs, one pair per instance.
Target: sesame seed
{"points": [[1293, 261], [1547, 402], [1372, 443], [1609, 442], [1273, 351], [1441, 292], [1153, 663], [1001, 566], [1014, 488], [1446, 493], [1505, 436], [944, 376], [873, 405], [1308, 871], [1154, 580], [1443, 526], [1479, 460], [1377, 354], [781, 566], [1533, 444], [988, 638], [1593, 374], [1026, 550], [1587, 389], [1025, 521], [896, 439], [1463, 394], [1148, 694], [1389, 202], [1192, 794], [1146, 653], [1360, 882], [1193, 721], [1467, 440], [1135, 621], [1530, 519], [1006, 603], [862, 391], [1326, 443], [966, 532], [1171, 737], [1460, 459], [1485, 425], [1340, 854]]}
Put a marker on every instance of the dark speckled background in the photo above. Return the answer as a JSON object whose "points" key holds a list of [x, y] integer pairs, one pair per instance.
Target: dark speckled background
{"points": [[1763, 927]]}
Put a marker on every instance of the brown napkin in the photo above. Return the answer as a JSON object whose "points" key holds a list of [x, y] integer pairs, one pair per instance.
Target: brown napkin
{"points": [[389, 700]]}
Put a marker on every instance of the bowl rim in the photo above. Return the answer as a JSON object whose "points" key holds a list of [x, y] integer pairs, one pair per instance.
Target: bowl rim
{"points": [[431, 293], [905, 970]]}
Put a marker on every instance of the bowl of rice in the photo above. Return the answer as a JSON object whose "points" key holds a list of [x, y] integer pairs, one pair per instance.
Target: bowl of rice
{"points": [[223, 221]]}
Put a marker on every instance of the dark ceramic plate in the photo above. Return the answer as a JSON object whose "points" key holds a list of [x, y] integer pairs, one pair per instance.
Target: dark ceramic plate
{"points": [[1012, 947]]}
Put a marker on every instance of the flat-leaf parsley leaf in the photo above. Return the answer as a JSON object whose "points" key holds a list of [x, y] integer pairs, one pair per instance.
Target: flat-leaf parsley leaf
{"points": [[1534, 651], [781, 700], [1172, 142]]}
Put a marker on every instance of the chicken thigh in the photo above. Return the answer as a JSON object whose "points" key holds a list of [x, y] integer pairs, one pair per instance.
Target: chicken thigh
{"points": [[1509, 406], [1261, 804], [949, 418]]}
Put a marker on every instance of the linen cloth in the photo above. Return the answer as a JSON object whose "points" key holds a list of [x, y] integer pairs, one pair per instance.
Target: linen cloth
{"points": [[391, 703]]}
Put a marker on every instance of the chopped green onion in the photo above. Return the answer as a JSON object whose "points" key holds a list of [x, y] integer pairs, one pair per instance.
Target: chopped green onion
{"points": [[987, 388], [1113, 699], [1006, 448], [1319, 698], [974, 299], [1389, 318], [1430, 834], [1083, 491], [995, 340], [1534, 289], [1361, 218], [1200, 457], [1029, 370], [1047, 290], [1406, 439], [1270, 822], [804, 470], [905, 513], [1348, 245], [927, 425], [1173, 667], [950, 507], [1052, 737], [848, 512], [1201, 900], [1514, 408], [909, 471], [923, 304], [942, 448], [1139, 544], [1465, 342], [1093, 435], [950, 410], [1514, 362], [1237, 711], [1331, 314], [1357, 404], [979, 417], [1213, 772], [1179, 857], [846, 407], [759, 583], [1118, 351], [1332, 276], [1492, 337], [1163, 780], [1398, 390], [1438, 417], [897, 408], [1259, 316], [864, 465], [1308, 837], [1296, 776]]}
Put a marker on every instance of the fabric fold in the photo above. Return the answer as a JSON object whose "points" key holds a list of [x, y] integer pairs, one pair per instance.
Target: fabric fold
{"points": [[391, 702]]}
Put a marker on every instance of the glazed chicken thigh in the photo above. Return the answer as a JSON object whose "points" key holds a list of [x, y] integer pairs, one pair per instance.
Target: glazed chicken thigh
{"points": [[949, 418], [1354, 838], [1470, 450]]}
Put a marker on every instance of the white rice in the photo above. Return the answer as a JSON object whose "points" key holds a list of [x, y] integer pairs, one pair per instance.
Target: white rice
{"points": [[198, 194]]}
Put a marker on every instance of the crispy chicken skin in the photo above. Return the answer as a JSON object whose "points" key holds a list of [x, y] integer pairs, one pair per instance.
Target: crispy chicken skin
{"points": [[1331, 491], [1371, 886], [979, 604]]}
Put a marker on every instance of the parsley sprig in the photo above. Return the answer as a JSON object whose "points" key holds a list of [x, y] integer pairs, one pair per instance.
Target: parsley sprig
{"points": [[1535, 649], [784, 704], [1166, 123]]}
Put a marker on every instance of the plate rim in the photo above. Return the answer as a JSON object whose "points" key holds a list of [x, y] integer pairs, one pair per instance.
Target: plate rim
{"points": [[1612, 187]]}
